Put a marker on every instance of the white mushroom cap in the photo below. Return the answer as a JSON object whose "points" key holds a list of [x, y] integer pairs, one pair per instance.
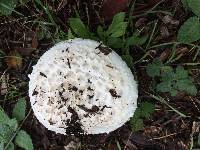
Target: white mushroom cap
{"points": [[82, 82]]}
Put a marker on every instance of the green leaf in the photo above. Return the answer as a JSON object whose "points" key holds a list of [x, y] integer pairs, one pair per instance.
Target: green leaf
{"points": [[118, 18], [115, 42], [24, 140], [198, 141], [101, 33], [194, 5], [3, 116], [70, 35], [7, 6], [187, 86], [146, 109], [79, 28], [5, 133], [168, 75], [13, 124], [164, 86], [1, 145], [128, 59], [11, 146], [19, 109], [136, 124], [154, 68], [118, 30], [181, 73], [185, 3], [190, 31], [135, 39]]}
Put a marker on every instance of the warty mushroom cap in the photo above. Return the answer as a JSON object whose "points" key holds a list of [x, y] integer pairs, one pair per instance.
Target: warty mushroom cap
{"points": [[82, 82]]}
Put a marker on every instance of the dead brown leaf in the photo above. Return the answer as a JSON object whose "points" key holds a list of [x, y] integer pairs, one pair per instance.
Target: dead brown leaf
{"points": [[111, 7], [14, 60]]}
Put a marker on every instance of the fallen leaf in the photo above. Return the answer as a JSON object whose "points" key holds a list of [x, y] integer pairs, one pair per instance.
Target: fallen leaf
{"points": [[24, 51], [111, 7], [34, 43], [165, 54], [14, 60]]}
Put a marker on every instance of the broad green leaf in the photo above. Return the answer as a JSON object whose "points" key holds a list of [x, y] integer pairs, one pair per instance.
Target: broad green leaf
{"points": [[185, 3], [194, 5], [136, 124], [168, 76], [79, 28], [154, 68], [135, 39], [19, 109], [190, 31], [118, 18], [13, 124], [164, 86], [128, 59], [146, 109], [187, 86], [115, 42], [3, 116], [7, 6], [5, 133], [181, 73], [24, 140], [118, 30], [11, 146]]}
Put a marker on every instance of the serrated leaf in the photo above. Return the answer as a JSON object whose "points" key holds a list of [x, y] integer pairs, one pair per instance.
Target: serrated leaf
{"points": [[118, 18], [187, 86], [181, 73], [154, 68], [19, 109], [135, 39], [24, 140], [190, 31], [128, 59], [146, 109], [79, 28], [194, 5], [168, 75], [164, 86]]}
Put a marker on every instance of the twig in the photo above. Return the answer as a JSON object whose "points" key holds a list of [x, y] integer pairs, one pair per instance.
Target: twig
{"points": [[128, 140]]}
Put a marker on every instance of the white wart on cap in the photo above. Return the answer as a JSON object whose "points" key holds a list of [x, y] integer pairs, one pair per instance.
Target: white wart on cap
{"points": [[82, 85]]}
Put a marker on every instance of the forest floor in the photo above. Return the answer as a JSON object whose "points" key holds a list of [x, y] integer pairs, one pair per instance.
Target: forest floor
{"points": [[32, 29]]}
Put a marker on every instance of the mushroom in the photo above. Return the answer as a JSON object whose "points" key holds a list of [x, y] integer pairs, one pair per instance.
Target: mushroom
{"points": [[81, 84]]}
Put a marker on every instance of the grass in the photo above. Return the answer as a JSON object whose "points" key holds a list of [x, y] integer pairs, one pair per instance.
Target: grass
{"points": [[51, 25]]}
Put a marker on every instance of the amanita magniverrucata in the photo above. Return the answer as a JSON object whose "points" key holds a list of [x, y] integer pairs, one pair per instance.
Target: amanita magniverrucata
{"points": [[82, 82]]}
